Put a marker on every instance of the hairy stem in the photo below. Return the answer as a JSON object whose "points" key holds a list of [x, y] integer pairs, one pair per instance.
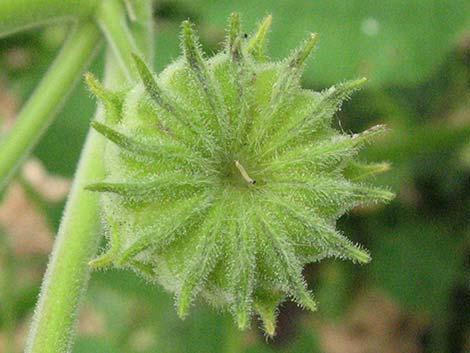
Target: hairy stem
{"points": [[76, 243], [43, 105], [18, 15], [112, 20], [67, 274], [142, 27]]}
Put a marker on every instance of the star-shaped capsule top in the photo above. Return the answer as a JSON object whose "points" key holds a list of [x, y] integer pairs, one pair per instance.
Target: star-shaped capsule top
{"points": [[225, 176]]}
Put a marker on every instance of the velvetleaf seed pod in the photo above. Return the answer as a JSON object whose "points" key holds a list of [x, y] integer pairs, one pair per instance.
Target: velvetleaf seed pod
{"points": [[225, 176]]}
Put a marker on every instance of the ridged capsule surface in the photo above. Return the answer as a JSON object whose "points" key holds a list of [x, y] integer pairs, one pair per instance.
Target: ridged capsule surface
{"points": [[225, 176]]}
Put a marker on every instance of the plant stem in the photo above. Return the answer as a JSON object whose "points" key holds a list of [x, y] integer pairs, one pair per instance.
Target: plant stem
{"points": [[7, 292], [77, 240], [67, 274], [43, 105], [142, 27], [111, 18], [18, 15]]}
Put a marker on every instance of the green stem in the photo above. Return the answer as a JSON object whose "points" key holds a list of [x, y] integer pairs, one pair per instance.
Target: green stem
{"points": [[18, 15], [42, 106], [76, 243], [7, 292], [142, 27], [112, 20]]}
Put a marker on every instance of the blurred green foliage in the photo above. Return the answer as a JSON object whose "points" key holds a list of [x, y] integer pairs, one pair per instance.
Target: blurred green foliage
{"points": [[391, 42], [417, 55]]}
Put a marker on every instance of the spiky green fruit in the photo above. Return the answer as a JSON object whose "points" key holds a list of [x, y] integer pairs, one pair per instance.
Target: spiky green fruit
{"points": [[225, 177]]}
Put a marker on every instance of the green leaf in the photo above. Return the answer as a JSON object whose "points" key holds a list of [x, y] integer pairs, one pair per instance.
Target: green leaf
{"points": [[417, 263], [399, 42]]}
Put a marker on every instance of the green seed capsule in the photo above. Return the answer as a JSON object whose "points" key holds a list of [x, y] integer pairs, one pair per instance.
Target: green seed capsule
{"points": [[225, 176]]}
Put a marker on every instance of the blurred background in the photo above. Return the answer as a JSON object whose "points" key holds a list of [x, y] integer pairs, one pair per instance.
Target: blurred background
{"points": [[414, 297]]}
